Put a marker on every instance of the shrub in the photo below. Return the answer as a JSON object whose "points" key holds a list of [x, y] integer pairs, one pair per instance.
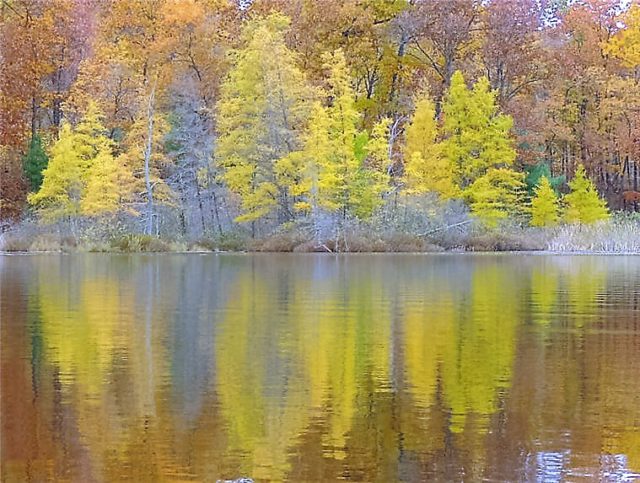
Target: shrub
{"points": [[230, 241], [496, 241], [203, 244], [407, 243], [10, 242], [97, 247], [132, 243], [279, 242], [24, 241]]}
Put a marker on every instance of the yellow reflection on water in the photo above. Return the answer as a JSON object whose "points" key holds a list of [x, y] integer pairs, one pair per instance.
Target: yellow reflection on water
{"points": [[318, 368]]}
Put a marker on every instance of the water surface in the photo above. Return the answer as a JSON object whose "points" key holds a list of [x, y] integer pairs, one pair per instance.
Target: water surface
{"points": [[320, 368]]}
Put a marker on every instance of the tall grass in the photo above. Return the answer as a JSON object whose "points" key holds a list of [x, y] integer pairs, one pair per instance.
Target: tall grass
{"points": [[619, 235], [32, 238]]}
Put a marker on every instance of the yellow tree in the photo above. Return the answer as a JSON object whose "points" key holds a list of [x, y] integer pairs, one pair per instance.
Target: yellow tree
{"points": [[62, 185], [583, 205], [626, 43], [340, 169], [143, 155], [495, 195], [264, 101], [303, 172], [343, 166], [345, 170], [479, 149], [544, 205], [476, 135], [109, 184], [374, 179], [426, 169], [71, 167]]}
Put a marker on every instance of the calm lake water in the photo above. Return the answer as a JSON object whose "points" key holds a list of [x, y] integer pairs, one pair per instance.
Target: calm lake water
{"points": [[319, 368]]}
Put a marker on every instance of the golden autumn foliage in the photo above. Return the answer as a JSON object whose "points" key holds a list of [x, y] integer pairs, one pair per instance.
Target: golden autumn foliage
{"points": [[626, 43], [264, 100], [426, 168], [583, 205], [291, 111], [83, 177], [544, 205]]}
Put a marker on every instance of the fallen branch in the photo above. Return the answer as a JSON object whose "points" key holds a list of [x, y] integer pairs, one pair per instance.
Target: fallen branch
{"points": [[444, 228], [322, 245]]}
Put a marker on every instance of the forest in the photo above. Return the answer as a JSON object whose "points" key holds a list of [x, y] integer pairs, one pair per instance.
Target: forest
{"points": [[328, 125]]}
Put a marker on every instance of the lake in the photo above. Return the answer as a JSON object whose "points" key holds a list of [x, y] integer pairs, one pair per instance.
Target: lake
{"points": [[320, 367]]}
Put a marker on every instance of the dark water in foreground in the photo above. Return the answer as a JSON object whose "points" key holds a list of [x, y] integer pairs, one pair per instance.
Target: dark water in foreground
{"points": [[308, 368]]}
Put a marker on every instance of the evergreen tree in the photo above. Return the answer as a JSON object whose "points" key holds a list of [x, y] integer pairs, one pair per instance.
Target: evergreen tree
{"points": [[583, 205], [340, 168], [476, 134], [264, 101], [544, 205], [426, 169], [495, 195], [35, 162], [536, 172], [108, 185], [62, 184], [81, 166]]}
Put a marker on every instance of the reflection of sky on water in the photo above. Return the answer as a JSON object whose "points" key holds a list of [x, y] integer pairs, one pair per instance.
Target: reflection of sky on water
{"points": [[193, 337], [555, 466]]}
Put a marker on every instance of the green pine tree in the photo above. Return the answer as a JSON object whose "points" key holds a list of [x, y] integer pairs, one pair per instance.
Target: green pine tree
{"points": [[35, 162], [583, 205], [536, 172]]}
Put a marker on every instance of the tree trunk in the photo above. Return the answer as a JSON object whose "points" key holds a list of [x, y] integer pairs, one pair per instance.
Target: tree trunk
{"points": [[635, 183], [404, 40], [34, 116], [147, 162], [200, 205], [214, 200]]}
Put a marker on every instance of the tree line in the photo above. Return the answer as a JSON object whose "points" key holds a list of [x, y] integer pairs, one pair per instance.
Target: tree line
{"points": [[197, 116]]}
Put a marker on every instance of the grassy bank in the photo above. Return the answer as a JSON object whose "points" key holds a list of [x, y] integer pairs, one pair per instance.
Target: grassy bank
{"points": [[621, 234], [29, 238]]}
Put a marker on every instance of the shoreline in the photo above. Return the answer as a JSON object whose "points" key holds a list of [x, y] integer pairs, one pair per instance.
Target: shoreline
{"points": [[618, 236], [4, 253]]}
